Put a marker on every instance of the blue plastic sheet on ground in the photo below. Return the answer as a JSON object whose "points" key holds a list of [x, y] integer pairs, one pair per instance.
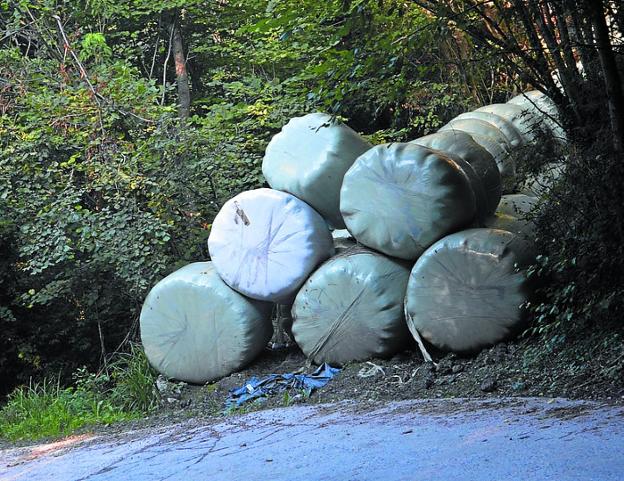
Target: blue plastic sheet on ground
{"points": [[256, 388]]}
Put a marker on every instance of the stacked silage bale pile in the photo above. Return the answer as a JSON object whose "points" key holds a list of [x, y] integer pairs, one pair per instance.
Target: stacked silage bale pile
{"points": [[435, 244], [466, 291], [351, 307]]}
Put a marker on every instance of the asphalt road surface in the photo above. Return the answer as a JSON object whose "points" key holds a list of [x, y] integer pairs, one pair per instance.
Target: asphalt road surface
{"points": [[446, 440]]}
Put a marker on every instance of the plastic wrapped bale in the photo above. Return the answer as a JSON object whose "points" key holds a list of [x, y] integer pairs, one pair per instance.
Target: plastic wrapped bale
{"points": [[538, 184], [527, 123], [197, 329], [491, 139], [351, 308], [343, 240], [511, 133], [517, 205], [541, 105], [512, 215], [400, 198], [465, 293], [309, 158], [462, 145], [264, 243]]}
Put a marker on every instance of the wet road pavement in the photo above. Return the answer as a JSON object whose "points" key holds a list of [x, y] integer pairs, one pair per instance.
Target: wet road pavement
{"points": [[519, 439]]}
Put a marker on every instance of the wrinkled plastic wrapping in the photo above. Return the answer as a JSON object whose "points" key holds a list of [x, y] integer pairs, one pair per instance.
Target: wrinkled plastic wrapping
{"points": [[538, 184], [401, 198], [518, 205], [514, 214], [343, 240], [528, 124], [491, 139], [460, 144], [351, 309], [511, 133], [264, 243], [543, 107], [464, 292], [309, 158], [197, 329]]}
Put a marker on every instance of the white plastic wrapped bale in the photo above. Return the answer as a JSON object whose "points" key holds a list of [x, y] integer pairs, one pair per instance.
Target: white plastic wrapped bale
{"points": [[351, 309], [342, 240], [528, 124], [465, 293], [511, 133], [513, 215], [543, 106], [491, 139], [264, 243], [462, 145], [197, 329], [309, 158], [518, 205], [538, 184], [401, 198]]}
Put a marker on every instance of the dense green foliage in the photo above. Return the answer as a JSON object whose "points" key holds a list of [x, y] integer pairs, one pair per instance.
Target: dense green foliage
{"points": [[106, 185]]}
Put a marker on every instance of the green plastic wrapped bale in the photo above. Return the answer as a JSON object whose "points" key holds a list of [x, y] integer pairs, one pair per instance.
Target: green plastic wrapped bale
{"points": [[197, 329], [309, 158], [543, 107], [343, 240], [351, 308], [465, 293], [491, 139], [514, 137], [400, 198], [527, 123], [513, 215], [460, 144], [538, 184], [517, 205]]}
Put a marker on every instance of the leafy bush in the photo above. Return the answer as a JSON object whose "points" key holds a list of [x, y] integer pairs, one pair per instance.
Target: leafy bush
{"points": [[581, 240]]}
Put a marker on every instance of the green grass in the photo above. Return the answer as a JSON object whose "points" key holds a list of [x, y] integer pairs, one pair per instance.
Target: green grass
{"points": [[134, 381], [46, 409]]}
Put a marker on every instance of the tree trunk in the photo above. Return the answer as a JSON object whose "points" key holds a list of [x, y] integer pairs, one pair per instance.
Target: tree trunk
{"points": [[182, 79], [615, 96]]}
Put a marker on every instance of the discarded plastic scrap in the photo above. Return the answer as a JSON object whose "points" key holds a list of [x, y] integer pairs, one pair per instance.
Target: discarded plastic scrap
{"points": [[275, 383]]}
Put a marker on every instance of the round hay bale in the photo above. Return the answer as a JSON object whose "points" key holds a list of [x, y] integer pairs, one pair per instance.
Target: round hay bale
{"points": [[351, 308], [491, 139], [465, 293], [462, 145], [514, 137], [528, 124], [309, 158], [264, 243], [197, 329], [542, 106], [400, 198], [517, 205]]}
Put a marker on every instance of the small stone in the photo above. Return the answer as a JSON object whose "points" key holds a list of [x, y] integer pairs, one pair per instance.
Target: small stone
{"points": [[162, 384], [457, 368], [445, 367], [488, 385], [172, 400]]}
